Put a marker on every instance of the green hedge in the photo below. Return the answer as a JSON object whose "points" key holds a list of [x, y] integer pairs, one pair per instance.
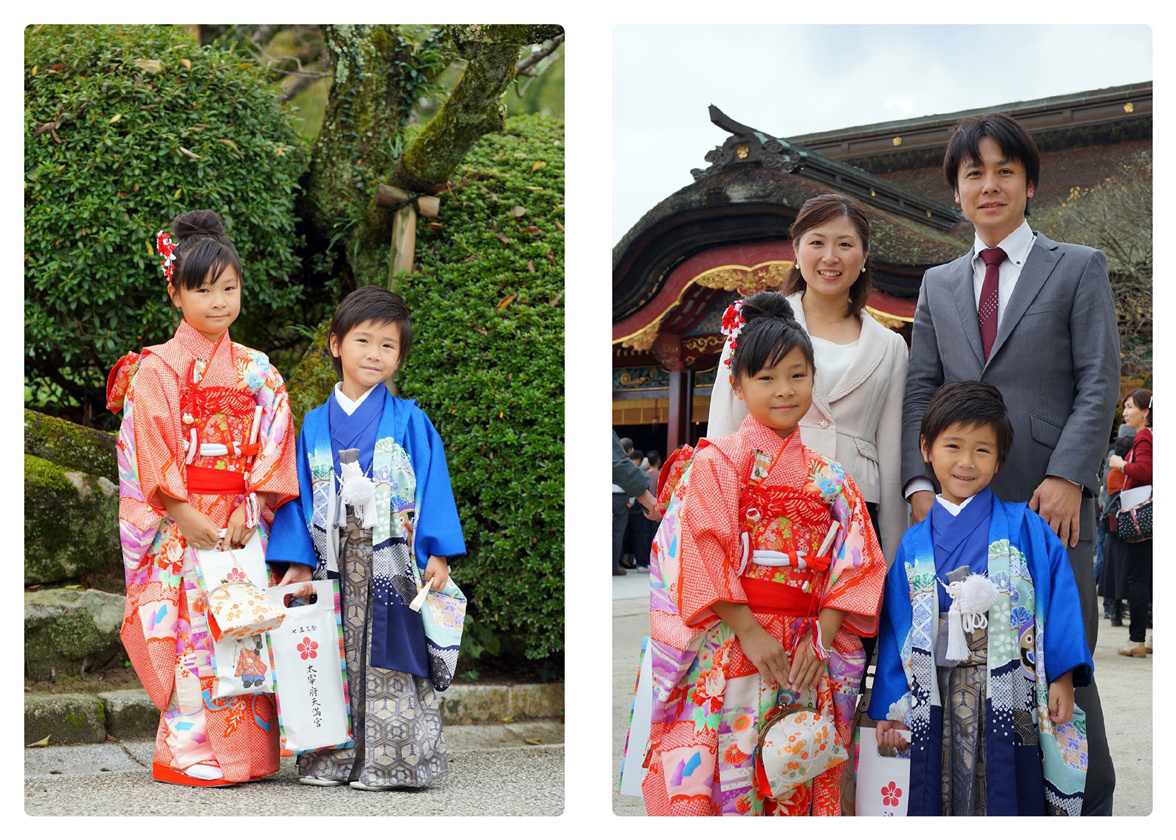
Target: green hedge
{"points": [[487, 365], [109, 113]]}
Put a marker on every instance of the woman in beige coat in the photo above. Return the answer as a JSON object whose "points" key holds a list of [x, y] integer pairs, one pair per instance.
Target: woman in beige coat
{"points": [[856, 415]]}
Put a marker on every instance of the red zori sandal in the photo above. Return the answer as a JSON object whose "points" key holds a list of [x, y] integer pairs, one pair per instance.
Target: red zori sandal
{"points": [[172, 776]]}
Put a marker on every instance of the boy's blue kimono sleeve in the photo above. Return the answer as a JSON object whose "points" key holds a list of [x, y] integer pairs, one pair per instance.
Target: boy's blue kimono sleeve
{"points": [[894, 625], [1065, 635], [289, 540], [437, 527]]}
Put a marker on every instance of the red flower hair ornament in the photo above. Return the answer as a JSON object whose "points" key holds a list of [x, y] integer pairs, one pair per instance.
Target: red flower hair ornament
{"points": [[167, 250], [733, 323]]}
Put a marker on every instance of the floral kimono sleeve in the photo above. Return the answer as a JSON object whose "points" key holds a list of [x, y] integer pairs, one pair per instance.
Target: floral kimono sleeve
{"points": [[859, 567], [274, 471], [710, 538]]}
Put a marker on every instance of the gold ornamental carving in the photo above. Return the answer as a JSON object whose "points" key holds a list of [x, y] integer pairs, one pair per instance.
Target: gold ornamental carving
{"points": [[643, 340], [737, 278], [729, 278], [891, 322], [630, 381]]}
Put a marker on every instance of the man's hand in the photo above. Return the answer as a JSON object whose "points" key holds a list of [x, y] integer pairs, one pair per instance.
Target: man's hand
{"points": [[921, 501], [649, 503], [1059, 502]]}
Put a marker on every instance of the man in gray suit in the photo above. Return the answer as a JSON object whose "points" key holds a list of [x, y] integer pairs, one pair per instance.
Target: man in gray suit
{"points": [[1035, 318]]}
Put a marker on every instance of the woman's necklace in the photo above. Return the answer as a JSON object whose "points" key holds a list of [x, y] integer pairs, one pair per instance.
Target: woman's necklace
{"points": [[840, 327]]}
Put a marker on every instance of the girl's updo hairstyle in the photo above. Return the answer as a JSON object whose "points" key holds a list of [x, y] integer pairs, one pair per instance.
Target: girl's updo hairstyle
{"points": [[816, 211], [201, 248], [1141, 398], [770, 333]]}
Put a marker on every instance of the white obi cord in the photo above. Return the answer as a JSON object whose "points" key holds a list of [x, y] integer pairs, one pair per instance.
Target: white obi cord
{"points": [[971, 599]]}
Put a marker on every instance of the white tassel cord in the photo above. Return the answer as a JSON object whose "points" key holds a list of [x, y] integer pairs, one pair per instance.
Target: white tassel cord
{"points": [[971, 597], [358, 491]]}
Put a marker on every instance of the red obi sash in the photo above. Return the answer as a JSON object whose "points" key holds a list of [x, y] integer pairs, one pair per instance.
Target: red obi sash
{"points": [[800, 596], [214, 482]]}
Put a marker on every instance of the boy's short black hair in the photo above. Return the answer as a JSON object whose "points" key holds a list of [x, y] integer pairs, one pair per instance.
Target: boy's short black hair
{"points": [[971, 404], [1015, 142], [371, 303]]}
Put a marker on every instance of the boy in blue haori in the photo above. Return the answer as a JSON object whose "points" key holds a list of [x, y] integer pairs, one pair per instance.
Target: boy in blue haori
{"points": [[981, 643], [394, 509]]}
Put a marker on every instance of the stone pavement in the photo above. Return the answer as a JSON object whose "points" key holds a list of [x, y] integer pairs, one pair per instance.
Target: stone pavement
{"points": [[1124, 683], [506, 769], [505, 745]]}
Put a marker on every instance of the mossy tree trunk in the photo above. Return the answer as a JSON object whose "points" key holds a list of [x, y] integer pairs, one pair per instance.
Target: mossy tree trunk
{"points": [[379, 74], [376, 83], [474, 108]]}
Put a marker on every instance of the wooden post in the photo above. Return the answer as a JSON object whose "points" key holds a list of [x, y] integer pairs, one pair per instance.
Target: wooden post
{"points": [[402, 255], [681, 402]]}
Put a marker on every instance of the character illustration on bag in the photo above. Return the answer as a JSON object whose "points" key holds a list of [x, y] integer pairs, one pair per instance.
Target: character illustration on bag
{"points": [[250, 667]]}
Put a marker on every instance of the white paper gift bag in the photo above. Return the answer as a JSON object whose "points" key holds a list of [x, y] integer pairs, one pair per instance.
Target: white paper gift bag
{"points": [[310, 671], [883, 780], [637, 741], [242, 666]]}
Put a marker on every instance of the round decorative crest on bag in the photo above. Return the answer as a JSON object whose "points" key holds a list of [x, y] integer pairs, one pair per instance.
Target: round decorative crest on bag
{"points": [[796, 743]]}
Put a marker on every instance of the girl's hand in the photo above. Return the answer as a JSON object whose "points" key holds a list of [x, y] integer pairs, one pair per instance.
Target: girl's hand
{"points": [[1116, 462], [806, 668], [437, 570], [298, 573], [236, 532], [889, 734], [197, 528], [765, 653], [1061, 698]]}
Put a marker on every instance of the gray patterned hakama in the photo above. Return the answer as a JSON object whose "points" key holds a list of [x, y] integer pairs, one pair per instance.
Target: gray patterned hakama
{"points": [[963, 688], [395, 716]]}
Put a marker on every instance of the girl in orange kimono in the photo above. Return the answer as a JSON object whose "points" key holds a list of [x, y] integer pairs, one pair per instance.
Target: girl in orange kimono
{"points": [[192, 468], [750, 603]]}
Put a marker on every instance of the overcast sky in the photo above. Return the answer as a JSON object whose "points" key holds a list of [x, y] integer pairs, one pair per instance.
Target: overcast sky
{"points": [[790, 80]]}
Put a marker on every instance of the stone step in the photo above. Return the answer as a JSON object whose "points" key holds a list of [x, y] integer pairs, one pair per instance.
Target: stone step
{"points": [[130, 715]]}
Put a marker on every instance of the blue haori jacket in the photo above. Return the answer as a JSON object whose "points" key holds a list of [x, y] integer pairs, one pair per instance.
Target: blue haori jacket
{"points": [[416, 517]]}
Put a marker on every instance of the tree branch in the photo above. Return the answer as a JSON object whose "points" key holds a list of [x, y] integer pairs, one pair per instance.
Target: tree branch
{"points": [[523, 68]]}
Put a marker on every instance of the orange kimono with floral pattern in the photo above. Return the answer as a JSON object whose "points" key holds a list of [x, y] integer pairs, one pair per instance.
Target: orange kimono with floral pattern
{"points": [[744, 526], [182, 394]]}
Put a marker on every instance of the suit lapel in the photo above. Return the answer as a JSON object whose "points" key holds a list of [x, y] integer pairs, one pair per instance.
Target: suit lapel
{"points": [[870, 349], [965, 298], [1043, 256], [820, 400]]}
